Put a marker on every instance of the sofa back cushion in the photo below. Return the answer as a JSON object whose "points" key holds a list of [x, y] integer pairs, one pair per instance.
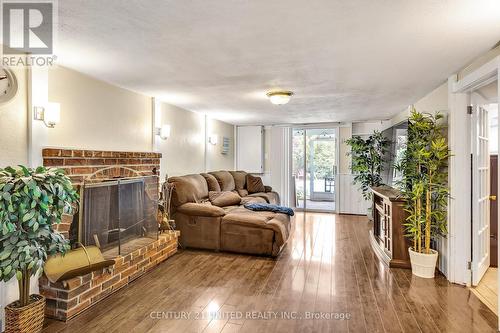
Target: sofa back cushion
{"points": [[225, 180], [242, 193], [240, 179], [255, 184], [223, 199], [189, 188], [213, 184]]}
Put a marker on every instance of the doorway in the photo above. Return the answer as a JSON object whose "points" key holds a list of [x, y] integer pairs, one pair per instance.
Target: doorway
{"points": [[484, 228], [314, 168]]}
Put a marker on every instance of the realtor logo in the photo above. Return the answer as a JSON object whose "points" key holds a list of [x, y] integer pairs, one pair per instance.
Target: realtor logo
{"points": [[27, 27]]}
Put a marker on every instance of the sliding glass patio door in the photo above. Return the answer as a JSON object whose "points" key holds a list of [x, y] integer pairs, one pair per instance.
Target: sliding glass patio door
{"points": [[314, 167]]}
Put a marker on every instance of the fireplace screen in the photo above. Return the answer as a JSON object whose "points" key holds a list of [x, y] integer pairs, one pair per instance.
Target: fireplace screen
{"points": [[119, 216]]}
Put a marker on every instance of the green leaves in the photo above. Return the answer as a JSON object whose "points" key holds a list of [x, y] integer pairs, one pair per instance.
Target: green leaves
{"points": [[424, 166], [367, 157], [31, 200], [29, 216], [4, 255]]}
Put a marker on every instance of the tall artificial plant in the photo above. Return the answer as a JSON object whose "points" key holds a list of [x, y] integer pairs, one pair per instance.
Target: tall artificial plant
{"points": [[31, 202], [367, 160], [424, 183]]}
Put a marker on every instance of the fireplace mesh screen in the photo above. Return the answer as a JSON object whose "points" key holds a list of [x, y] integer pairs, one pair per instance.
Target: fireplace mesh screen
{"points": [[119, 216]]}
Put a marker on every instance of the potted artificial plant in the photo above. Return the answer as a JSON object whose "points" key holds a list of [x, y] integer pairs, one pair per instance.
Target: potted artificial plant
{"points": [[31, 201], [367, 160], [425, 187]]}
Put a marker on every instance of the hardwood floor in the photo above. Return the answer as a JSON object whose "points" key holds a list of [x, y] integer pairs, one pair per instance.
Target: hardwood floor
{"points": [[487, 289], [327, 269]]}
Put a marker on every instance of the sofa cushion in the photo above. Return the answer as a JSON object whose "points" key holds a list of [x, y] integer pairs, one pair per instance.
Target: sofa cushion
{"points": [[240, 179], [269, 197], [279, 223], [228, 209], [197, 209], [242, 192], [223, 199], [189, 188], [255, 184], [225, 180], [248, 217], [252, 199], [213, 184]]}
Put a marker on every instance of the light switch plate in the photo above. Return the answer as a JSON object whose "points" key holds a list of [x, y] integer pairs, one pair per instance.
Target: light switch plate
{"points": [[38, 112]]}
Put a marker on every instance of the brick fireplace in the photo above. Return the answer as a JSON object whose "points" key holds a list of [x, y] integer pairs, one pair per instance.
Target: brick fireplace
{"points": [[90, 170], [82, 164]]}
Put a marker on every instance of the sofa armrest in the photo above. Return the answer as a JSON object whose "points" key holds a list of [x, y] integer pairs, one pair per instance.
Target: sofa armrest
{"points": [[268, 188], [196, 209]]}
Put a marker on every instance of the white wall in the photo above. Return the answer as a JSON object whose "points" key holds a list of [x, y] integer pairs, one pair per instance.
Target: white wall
{"points": [[13, 151], [184, 151], [368, 127], [344, 163], [14, 124], [187, 150], [435, 101], [215, 159], [98, 115]]}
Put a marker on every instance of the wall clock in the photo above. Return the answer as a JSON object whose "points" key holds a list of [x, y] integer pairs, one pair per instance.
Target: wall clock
{"points": [[8, 85]]}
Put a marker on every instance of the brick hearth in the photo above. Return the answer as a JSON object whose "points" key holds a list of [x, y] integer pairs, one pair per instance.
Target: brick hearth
{"points": [[68, 298]]}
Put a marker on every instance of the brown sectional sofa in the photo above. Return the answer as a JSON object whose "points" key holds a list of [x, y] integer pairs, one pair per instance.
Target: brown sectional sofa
{"points": [[230, 227]]}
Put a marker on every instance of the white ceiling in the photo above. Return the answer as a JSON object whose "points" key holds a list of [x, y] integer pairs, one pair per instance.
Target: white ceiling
{"points": [[347, 60]]}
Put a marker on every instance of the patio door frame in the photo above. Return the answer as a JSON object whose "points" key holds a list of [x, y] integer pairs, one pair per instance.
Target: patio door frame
{"points": [[337, 155]]}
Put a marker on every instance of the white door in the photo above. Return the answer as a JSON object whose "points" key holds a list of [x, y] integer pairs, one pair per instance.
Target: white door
{"points": [[480, 194]]}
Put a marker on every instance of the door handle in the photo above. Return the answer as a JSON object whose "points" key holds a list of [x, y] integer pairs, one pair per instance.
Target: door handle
{"points": [[493, 197]]}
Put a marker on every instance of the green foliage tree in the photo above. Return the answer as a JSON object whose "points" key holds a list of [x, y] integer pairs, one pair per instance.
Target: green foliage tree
{"points": [[367, 160], [324, 159], [424, 183], [31, 201]]}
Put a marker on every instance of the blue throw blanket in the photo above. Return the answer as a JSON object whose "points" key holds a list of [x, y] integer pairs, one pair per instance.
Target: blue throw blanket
{"points": [[269, 208]]}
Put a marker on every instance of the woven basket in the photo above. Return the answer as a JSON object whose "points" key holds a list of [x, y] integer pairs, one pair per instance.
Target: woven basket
{"points": [[28, 319]]}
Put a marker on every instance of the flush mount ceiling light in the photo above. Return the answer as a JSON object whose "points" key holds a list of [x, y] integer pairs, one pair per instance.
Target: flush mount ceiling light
{"points": [[279, 97]]}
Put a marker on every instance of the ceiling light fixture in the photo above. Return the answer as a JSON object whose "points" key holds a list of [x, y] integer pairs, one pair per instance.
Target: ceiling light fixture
{"points": [[279, 97]]}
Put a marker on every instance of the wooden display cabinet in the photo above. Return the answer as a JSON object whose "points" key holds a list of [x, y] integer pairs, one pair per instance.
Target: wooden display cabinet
{"points": [[387, 237]]}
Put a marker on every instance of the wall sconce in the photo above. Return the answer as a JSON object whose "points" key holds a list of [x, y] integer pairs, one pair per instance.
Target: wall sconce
{"points": [[50, 114], [163, 132], [213, 139]]}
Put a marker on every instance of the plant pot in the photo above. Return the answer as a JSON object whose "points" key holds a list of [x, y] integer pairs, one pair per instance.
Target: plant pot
{"points": [[423, 265], [26, 319]]}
